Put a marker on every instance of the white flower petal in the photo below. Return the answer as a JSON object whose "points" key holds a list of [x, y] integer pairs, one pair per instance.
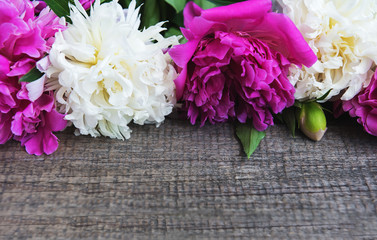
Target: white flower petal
{"points": [[36, 88], [343, 34], [107, 73]]}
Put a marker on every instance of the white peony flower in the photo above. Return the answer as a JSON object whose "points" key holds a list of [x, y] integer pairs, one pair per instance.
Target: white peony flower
{"points": [[343, 34], [106, 73]]}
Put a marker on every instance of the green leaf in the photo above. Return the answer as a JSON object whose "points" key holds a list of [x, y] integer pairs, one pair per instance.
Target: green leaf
{"points": [[224, 2], [324, 96], [178, 5], [124, 3], [172, 32], [31, 76], [60, 7], [249, 137], [298, 104], [205, 4], [176, 19], [318, 99], [289, 117], [327, 110], [151, 13]]}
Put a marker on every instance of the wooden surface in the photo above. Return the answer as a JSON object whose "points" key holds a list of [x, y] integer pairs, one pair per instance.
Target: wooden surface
{"points": [[180, 181]]}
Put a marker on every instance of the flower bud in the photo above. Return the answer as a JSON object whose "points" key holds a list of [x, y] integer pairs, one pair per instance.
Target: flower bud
{"points": [[312, 120]]}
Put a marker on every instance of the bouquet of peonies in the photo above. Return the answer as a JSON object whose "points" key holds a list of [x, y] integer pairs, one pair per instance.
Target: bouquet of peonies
{"points": [[101, 64]]}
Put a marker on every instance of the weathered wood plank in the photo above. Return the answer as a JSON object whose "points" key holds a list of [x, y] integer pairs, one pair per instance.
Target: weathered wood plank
{"points": [[181, 181]]}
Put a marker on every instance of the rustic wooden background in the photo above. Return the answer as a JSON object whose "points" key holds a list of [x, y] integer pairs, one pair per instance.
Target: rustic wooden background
{"points": [[181, 181]]}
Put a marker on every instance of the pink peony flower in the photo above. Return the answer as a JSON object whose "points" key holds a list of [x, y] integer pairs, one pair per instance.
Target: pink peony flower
{"points": [[364, 106], [25, 39], [236, 61], [34, 123]]}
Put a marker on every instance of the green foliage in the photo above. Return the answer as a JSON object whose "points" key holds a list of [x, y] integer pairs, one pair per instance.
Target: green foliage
{"points": [[205, 4], [151, 12], [154, 11], [125, 3], [249, 137], [59, 7], [289, 118], [224, 2], [178, 5], [31, 76], [308, 116], [325, 95]]}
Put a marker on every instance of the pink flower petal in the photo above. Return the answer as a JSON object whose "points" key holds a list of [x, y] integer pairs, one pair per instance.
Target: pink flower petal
{"points": [[190, 11], [241, 10], [55, 121], [50, 143], [182, 55], [31, 44], [21, 67], [364, 106], [283, 36], [5, 125], [34, 145], [371, 124], [17, 127], [4, 66]]}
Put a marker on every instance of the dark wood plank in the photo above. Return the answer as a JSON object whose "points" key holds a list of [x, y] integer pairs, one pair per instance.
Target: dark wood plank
{"points": [[180, 181]]}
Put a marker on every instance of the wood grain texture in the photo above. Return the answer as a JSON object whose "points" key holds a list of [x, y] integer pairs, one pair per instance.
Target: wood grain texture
{"points": [[181, 181]]}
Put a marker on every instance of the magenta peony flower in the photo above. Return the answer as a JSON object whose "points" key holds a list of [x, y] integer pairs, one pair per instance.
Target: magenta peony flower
{"points": [[236, 61], [25, 39], [364, 106], [34, 123]]}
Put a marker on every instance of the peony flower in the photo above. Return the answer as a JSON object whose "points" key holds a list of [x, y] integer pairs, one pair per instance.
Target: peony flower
{"points": [[34, 123], [236, 61], [106, 73], [343, 34], [25, 39], [364, 106]]}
